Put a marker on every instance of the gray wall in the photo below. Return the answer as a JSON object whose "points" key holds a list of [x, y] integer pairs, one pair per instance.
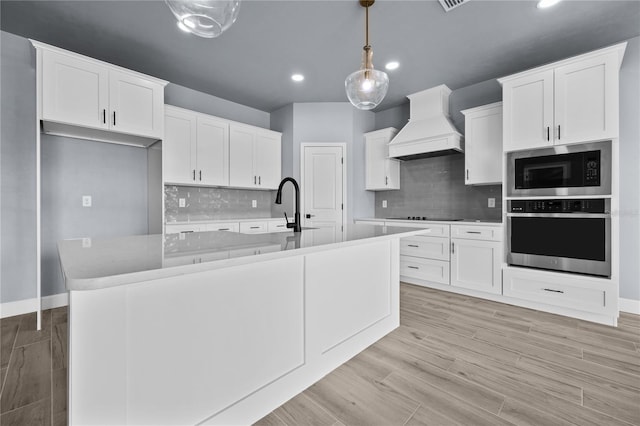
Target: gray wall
{"points": [[17, 169], [630, 172], [184, 97], [434, 187], [327, 122]]}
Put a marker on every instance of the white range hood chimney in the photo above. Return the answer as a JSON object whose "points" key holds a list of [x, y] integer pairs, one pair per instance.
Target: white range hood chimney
{"points": [[429, 132]]}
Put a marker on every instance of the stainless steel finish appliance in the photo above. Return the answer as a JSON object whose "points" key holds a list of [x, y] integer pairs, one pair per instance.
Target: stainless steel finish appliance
{"points": [[564, 170], [571, 235]]}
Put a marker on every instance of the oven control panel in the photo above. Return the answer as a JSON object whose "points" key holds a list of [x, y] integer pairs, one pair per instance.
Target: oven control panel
{"points": [[590, 205]]}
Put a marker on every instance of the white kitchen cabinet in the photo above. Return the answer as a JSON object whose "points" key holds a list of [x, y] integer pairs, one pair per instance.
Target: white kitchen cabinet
{"points": [[483, 145], [570, 101], [476, 258], [382, 173], [195, 149], [254, 157], [90, 99], [223, 226], [278, 226], [257, 227]]}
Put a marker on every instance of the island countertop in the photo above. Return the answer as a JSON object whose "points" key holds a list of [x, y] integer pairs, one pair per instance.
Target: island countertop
{"points": [[89, 264]]}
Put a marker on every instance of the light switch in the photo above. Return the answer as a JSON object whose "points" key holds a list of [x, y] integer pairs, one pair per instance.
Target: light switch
{"points": [[384, 204], [254, 203], [181, 202], [86, 201], [492, 202]]}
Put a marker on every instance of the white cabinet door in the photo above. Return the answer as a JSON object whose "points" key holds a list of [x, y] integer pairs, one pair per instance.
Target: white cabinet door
{"points": [[212, 151], [528, 111], [483, 145], [586, 100], [267, 159], [136, 105], [179, 146], [381, 172], [74, 91], [476, 265], [241, 157]]}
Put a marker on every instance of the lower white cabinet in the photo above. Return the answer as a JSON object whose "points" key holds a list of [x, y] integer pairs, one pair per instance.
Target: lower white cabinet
{"points": [[436, 271], [575, 292], [258, 227], [476, 258], [223, 226]]}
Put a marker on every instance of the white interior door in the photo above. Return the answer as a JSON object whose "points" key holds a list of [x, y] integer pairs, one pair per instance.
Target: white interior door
{"points": [[323, 189]]}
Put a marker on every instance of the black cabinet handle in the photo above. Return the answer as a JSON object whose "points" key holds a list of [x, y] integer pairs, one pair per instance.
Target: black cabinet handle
{"points": [[194, 174], [259, 180], [186, 232], [104, 116], [254, 227], [558, 132], [200, 174], [548, 135], [386, 180], [413, 245], [114, 118], [223, 229], [552, 290], [474, 232], [254, 180], [467, 174], [309, 216], [453, 248], [413, 267]]}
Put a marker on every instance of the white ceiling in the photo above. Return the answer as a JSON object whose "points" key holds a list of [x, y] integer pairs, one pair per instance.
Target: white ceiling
{"points": [[252, 62]]}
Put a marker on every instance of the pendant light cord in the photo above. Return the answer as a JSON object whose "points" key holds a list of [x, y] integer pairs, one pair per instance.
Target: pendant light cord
{"points": [[367, 26]]}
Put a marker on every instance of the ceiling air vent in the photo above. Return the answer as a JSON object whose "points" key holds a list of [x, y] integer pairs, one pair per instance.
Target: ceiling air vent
{"points": [[451, 4]]}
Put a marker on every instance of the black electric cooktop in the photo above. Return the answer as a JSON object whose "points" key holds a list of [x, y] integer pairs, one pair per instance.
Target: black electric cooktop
{"points": [[434, 219]]}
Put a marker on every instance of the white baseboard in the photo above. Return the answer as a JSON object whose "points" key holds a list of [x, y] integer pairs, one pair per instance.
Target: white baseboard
{"points": [[629, 305], [20, 307]]}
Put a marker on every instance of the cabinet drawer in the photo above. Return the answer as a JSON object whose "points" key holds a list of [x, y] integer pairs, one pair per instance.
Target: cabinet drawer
{"points": [[253, 227], [426, 247], [277, 226], [432, 229], [231, 227], [581, 294], [471, 232], [425, 269], [177, 229]]}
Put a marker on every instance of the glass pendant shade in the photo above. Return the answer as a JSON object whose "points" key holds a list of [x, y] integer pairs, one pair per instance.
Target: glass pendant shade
{"points": [[367, 87], [205, 18]]}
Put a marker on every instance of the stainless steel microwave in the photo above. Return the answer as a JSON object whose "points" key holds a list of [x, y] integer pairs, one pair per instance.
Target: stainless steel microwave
{"points": [[564, 170]]}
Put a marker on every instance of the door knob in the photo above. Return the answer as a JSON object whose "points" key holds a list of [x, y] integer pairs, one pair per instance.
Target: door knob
{"points": [[309, 216]]}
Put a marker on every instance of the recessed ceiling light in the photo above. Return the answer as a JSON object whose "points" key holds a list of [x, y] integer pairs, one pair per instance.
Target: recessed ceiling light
{"points": [[543, 4], [297, 77], [392, 65]]}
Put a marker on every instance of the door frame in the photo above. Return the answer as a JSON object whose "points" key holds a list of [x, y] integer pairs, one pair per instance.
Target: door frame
{"points": [[342, 145]]}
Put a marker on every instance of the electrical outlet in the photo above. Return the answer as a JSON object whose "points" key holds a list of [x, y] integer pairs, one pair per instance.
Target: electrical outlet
{"points": [[492, 202], [182, 202], [254, 203], [86, 201], [384, 204], [86, 243]]}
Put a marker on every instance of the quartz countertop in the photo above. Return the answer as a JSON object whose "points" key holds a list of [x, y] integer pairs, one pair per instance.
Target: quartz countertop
{"points": [[447, 222], [89, 264], [250, 219]]}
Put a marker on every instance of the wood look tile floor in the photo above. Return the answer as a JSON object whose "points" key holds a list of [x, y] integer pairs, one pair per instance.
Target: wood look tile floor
{"points": [[454, 360], [458, 360], [33, 386]]}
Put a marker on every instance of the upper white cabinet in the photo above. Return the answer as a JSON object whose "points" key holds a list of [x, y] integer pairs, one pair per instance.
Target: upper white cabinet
{"points": [[382, 172], [483, 144], [571, 101], [195, 148], [90, 99], [254, 157]]}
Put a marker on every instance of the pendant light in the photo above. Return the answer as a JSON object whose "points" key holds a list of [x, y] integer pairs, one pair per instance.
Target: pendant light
{"points": [[367, 87], [205, 18]]}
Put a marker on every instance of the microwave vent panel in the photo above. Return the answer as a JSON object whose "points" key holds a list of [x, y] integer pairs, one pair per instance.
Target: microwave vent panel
{"points": [[452, 4]]}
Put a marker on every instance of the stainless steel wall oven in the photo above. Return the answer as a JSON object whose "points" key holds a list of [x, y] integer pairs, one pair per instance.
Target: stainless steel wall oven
{"points": [[563, 170], [571, 235]]}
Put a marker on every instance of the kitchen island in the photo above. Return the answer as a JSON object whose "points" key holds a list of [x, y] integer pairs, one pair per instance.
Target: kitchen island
{"points": [[220, 327]]}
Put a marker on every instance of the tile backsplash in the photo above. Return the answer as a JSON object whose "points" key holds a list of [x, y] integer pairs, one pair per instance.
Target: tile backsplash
{"points": [[434, 187], [215, 203]]}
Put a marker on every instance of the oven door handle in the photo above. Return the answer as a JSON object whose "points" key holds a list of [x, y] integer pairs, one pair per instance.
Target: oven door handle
{"points": [[563, 215]]}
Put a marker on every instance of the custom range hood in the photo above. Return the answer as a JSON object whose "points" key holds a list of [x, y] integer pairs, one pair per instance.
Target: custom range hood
{"points": [[429, 132]]}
